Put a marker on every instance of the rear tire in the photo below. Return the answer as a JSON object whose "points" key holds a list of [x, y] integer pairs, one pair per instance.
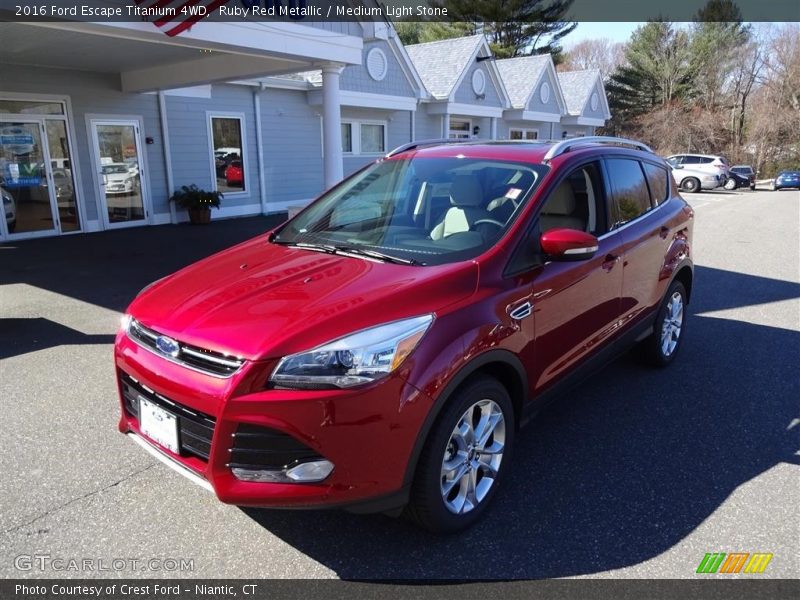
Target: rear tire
{"points": [[660, 348], [466, 455], [690, 185]]}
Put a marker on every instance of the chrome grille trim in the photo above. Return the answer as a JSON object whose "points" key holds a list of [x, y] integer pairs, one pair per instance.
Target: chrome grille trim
{"points": [[203, 361]]}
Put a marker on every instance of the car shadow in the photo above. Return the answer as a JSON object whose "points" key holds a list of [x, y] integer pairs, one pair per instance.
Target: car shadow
{"points": [[21, 336], [619, 471]]}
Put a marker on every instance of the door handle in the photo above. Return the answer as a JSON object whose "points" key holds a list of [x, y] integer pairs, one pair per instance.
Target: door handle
{"points": [[520, 311], [609, 261], [663, 232]]}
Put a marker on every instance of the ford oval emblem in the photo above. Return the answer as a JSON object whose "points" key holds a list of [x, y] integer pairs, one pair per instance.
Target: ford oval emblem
{"points": [[168, 346]]}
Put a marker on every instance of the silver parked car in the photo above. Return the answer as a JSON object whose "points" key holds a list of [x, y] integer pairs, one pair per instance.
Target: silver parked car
{"points": [[693, 180]]}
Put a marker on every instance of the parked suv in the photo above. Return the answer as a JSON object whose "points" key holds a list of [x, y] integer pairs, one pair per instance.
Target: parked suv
{"points": [[708, 163], [381, 349]]}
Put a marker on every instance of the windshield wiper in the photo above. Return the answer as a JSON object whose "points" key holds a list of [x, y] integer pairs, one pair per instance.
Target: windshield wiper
{"points": [[377, 255], [316, 247], [352, 250]]}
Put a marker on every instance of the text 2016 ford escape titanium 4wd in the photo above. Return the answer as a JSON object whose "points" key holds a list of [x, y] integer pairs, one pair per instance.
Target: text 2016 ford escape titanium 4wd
{"points": [[382, 348]]}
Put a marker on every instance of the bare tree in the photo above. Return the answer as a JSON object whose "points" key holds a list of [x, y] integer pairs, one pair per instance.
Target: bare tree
{"points": [[601, 54]]}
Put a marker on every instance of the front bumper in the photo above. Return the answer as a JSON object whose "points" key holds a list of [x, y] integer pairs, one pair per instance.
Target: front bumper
{"points": [[367, 433]]}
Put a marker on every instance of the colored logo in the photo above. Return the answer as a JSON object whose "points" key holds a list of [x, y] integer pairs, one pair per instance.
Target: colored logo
{"points": [[168, 346], [735, 562]]}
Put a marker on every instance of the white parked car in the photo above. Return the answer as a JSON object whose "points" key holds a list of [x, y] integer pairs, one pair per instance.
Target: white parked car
{"points": [[710, 163], [694, 180], [118, 179], [10, 208]]}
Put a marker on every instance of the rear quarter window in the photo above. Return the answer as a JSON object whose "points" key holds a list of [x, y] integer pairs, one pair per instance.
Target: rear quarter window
{"points": [[631, 194], [658, 180]]}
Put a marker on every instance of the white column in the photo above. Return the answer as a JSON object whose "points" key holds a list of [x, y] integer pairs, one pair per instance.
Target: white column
{"points": [[262, 183], [494, 128], [331, 125], [162, 113], [445, 126]]}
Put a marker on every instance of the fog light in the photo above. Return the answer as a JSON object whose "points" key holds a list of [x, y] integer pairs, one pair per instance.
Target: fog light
{"points": [[260, 475], [308, 472], [316, 470]]}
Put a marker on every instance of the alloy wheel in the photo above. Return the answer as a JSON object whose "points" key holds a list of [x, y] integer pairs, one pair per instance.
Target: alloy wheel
{"points": [[472, 457], [671, 327]]}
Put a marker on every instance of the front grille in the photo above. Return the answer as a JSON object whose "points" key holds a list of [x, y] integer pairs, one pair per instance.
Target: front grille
{"points": [[256, 447], [205, 361], [195, 429]]}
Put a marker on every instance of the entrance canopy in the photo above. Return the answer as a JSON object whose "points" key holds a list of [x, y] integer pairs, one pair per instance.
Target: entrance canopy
{"points": [[147, 60]]}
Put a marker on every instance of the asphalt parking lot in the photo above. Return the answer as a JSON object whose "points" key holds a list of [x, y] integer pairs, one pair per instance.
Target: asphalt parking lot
{"points": [[638, 473]]}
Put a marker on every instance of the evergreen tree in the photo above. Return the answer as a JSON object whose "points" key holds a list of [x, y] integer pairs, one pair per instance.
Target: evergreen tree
{"points": [[416, 32], [656, 71], [516, 27]]}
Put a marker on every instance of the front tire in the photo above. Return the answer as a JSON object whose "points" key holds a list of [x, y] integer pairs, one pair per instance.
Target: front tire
{"points": [[730, 184], [691, 185], [663, 344], [466, 455]]}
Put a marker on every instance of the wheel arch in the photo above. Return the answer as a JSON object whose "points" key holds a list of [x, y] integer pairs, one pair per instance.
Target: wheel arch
{"points": [[502, 365], [685, 274]]}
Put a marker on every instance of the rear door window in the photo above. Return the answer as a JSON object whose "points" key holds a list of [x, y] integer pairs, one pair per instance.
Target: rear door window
{"points": [[631, 196], [658, 180]]}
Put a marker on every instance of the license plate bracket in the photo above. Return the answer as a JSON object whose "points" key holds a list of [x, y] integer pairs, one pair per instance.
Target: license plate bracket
{"points": [[159, 425]]}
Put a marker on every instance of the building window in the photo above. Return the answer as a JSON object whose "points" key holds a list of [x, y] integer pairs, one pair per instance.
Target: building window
{"points": [[228, 153], [347, 138], [373, 138], [363, 137], [460, 129], [524, 134]]}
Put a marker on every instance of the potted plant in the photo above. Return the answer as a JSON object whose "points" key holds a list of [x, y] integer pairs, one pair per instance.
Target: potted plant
{"points": [[197, 202]]}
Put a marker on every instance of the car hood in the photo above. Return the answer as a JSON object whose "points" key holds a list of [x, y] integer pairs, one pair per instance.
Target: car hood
{"points": [[117, 177], [260, 300]]}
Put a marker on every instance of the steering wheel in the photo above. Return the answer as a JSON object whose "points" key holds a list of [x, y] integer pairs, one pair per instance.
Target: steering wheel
{"points": [[490, 222]]}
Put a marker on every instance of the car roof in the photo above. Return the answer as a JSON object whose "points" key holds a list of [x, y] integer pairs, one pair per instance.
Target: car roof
{"points": [[518, 151], [693, 154]]}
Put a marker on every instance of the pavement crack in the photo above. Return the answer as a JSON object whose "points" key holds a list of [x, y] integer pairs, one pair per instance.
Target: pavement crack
{"points": [[56, 509]]}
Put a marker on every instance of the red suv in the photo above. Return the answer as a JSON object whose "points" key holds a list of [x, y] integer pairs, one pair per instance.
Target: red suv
{"points": [[381, 349]]}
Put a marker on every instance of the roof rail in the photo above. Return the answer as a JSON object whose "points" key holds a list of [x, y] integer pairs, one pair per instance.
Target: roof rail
{"points": [[566, 145], [419, 143]]}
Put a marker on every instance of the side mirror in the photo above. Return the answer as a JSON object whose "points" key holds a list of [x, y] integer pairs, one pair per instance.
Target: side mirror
{"points": [[568, 244], [677, 166]]}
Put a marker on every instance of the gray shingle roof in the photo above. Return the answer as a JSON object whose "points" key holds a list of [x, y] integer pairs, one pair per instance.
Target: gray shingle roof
{"points": [[520, 74], [441, 63], [576, 87]]}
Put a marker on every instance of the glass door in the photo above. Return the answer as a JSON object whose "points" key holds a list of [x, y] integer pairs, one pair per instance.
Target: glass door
{"points": [[26, 185], [117, 153]]}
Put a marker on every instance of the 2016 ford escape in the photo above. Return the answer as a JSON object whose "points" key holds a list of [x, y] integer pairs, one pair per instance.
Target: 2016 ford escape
{"points": [[381, 349]]}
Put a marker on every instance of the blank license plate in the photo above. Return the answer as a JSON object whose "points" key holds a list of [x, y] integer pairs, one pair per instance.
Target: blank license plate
{"points": [[159, 425]]}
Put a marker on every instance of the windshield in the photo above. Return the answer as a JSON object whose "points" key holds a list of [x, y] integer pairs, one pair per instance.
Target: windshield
{"points": [[113, 169], [742, 170], [425, 211]]}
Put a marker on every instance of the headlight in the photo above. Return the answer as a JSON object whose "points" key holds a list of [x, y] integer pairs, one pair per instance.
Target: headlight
{"points": [[356, 359]]}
